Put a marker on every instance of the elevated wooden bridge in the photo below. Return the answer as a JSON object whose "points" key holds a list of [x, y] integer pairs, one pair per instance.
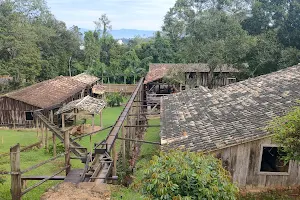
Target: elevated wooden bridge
{"points": [[100, 163]]}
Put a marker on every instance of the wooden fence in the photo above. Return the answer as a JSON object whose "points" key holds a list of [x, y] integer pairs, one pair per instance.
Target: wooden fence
{"points": [[125, 88], [18, 182]]}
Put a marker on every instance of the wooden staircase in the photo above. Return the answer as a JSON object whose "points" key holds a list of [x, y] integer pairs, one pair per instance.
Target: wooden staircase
{"points": [[76, 148]]}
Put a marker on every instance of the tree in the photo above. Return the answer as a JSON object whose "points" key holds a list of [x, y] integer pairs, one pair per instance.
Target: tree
{"points": [[185, 175], [289, 32], [286, 130], [131, 63], [263, 57], [216, 38]]}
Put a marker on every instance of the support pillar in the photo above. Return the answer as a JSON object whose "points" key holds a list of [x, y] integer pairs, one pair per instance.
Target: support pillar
{"points": [[63, 121], [16, 184], [67, 152]]}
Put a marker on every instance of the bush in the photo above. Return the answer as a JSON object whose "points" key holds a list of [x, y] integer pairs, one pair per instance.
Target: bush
{"points": [[185, 175], [59, 149], [114, 99], [286, 130]]}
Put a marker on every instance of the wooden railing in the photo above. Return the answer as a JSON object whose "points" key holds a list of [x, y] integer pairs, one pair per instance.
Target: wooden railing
{"points": [[16, 173]]}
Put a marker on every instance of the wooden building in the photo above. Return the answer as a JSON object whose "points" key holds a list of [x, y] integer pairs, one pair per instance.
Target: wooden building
{"points": [[16, 108], [229, 122], [89, 80], [164, 79]]}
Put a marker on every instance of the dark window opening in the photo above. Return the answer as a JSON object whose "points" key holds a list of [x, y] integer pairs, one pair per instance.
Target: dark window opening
{"points": [[192, 75], [272, 161], [29, 116]]}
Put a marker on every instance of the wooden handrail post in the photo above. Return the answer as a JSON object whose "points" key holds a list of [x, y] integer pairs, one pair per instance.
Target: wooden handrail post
{"points": [[63, 121], [43, 134], [67, 152], [123, 147], [16, 184], [54, 136], [54, 144], [114, 154]]}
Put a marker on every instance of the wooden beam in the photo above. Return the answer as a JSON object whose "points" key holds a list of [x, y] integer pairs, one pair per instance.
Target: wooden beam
{"points": [[139, 141], [123, 147], [147, 126], [67, 152], [43, 134], [63, 121], [38, 178], [114, 154], [16, 183]]}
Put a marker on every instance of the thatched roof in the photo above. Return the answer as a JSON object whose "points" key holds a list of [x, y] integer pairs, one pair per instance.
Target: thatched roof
{"points": [[86, 78], [158, 71], [48, 93], [207, 120], [88, 103]]}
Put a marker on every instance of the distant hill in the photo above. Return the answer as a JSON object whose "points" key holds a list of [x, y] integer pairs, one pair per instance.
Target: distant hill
{"points": [[127, 33]]}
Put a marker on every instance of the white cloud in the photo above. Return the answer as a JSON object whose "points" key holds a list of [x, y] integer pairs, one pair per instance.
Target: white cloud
{"points": [[137, 14]]}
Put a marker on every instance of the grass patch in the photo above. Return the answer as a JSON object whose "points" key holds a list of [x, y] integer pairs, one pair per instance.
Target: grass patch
{"points": [[147, 151]]}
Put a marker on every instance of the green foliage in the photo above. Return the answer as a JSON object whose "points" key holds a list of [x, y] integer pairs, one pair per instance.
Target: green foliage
{"points": [[2, 180], [59, 149], [186, 175], [286, 130], [114, 99]]}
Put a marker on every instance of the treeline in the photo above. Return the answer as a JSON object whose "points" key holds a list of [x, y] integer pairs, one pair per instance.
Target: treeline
{"points": [[257, 36]]}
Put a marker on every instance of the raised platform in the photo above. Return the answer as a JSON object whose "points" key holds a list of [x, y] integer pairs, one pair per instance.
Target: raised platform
{"points": [[74, 176]]}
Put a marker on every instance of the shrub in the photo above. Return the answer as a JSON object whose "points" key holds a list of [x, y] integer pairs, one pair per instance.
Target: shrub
{"points": [[114, 99], [286, 130], [185, 175], [59, 149], [2, 180]]}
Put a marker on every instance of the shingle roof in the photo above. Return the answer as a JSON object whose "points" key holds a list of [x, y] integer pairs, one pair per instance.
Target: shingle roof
{"points": [[158, 71], [86, 78], [48, 93], [88, 103], [205, 120]]}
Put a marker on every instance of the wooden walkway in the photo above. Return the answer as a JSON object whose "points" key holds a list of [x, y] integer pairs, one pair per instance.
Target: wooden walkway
{"points": [[74, 176]]}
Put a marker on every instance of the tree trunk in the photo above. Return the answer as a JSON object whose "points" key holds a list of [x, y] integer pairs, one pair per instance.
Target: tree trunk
{"points": [[124, 79]]}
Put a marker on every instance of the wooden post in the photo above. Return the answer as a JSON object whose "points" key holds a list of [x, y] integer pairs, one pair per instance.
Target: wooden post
{"points": [[123, 146], [43, 135], [46, 140], [53, 135], [114, 171], [16, 184], [93, 127], [54, 144], [67, 151], [37, 127], [101, 119], [63, 121]]}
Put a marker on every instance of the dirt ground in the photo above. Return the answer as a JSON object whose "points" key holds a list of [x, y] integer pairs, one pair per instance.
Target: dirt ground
{"points": [[82, 191]]}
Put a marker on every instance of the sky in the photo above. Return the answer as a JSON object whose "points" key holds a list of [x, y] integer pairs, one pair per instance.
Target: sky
{"points": [[123, 14]]}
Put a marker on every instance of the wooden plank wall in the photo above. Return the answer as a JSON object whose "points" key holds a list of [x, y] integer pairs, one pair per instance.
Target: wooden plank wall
{"points": [[243, 162], [201, 79], [12, 113], [126, 88]]}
